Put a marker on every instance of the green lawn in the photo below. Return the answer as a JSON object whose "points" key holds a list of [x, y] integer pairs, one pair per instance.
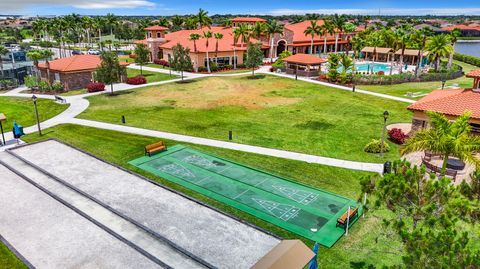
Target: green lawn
{"points": [[234, 71], [22, 110], [422, 87], [366, 241], [272, 112], [150, 76], [75, 92], [8, 259], [156, 66]]}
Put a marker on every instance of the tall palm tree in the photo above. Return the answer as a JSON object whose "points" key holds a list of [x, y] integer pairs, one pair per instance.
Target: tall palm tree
{"points": [[35, 56], [218, 36], [446, 138], [207, 35], [358, 43], [348, 29], [273, 27], [438, 47], [244, 33], [190, 23], [227, 23], [3, 51], [99, 24], [423, 35], [454, 35], [202, 19], [374, 41], [162, 21], [111, 20], [236, 35], [194, 37], [87, 24], [326, 29], [177, 23], [312, 30], [258, 30], [338, 22]]}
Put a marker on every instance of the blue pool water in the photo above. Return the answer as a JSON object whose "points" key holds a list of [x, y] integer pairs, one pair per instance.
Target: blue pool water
{"points": [[376, 67]]}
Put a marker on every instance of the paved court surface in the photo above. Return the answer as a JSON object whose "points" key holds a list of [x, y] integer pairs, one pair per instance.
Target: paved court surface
{"points": [[309, 212], [50, 235], [219, 240]]}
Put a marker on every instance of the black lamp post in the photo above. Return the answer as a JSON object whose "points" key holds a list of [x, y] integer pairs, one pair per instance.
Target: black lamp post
{"points": [[385, 117], [444, 80], [34, 98]]}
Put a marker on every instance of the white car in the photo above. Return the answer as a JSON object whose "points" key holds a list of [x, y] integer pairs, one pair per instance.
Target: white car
{"points": [[93, 52]]}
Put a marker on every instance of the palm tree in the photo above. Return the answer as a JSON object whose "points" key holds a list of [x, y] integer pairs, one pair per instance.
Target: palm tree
{"points": [[258, 30], [273, 27], [3, 51], [190, 23], [358, 43], [326, 29], [87, 24], [207, 35], [348, 29], [177, 23], [454, 35], [218, 36], [438, 47], [423, 34], [194, 37], [98, 24], [244, 33], [339, 24], [227, 23], [375, 41], [404, 38], [312, 30], [111, 20], [236, 36], [162, 21], [202, 19], [446, 138], [35, 56]]}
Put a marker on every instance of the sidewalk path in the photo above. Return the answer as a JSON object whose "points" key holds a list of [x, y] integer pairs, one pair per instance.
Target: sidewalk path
{"points": [[79, 103]]}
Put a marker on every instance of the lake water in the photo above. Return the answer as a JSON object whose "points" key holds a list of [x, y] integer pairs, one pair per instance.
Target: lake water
{"points": [[468, 48]]}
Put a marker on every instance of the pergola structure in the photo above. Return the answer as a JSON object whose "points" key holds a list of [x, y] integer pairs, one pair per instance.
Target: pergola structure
{"points": [[303, 64], [410, 56], [378, 53], [475, 74]]}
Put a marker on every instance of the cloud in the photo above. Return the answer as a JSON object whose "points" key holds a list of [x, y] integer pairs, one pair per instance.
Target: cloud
{"points": [[384, 11], [6, 5]]}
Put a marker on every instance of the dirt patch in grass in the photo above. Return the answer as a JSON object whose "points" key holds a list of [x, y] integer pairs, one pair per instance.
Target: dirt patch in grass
{"points": [[212, 93]]}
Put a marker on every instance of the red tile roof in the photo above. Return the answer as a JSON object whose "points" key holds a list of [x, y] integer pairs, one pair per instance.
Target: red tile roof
{"points": [[156, 28], [247, 19], [474, 74], [462, 27], [299, 28], [450, 102], [75, 63], [224, 44], [301, 58]]}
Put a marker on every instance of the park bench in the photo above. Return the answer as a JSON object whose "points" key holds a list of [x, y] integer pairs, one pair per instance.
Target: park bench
{"points": [[156, 147], [429, 155], [342, 221], [437, 170], [60, 99]]}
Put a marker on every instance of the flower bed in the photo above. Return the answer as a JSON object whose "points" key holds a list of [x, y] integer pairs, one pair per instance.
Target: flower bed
{"points": [[138, 80], [95, 87], [397, 136], [161, 62]]}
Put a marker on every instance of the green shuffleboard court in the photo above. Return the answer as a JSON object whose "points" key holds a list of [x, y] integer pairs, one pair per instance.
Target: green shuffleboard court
{"points": [[306, 211]]}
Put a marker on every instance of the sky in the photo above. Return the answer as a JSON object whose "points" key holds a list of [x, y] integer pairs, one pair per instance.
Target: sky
{"points": [[254, 7]]}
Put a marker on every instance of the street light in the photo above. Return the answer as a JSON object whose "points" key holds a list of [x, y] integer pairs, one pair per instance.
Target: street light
{"points": [[444, 80], [385, 117], [34, 98]]}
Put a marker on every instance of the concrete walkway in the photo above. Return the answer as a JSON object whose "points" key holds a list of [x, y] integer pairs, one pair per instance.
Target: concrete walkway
{"points": [[79, 103]]}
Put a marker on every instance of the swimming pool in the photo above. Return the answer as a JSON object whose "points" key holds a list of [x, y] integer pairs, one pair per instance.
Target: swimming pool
{"points": [[365, 67]]}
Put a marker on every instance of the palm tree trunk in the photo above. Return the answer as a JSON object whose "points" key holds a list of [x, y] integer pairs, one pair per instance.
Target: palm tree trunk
{"points": [[208, 62], [437, 64], [336, 42], [234, 57], [271, 50], [420, 60], [311, 46], [450, 61], [325, 44], [1, 66], [444, 165]]}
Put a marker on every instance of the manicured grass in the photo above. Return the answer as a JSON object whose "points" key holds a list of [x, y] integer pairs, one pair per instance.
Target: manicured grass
{"points": [[75, 92], [366, 241], [273, 112], [156, 66], [235, 71], [125, 59], [8, 259], [150, 76], [22, 110], [422, 87]]}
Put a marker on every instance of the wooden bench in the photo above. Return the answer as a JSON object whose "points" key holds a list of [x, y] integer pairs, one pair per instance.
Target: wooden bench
{"points": [[342, 221], [156, 147], [438, 171], [60, 99], [429, 155]]}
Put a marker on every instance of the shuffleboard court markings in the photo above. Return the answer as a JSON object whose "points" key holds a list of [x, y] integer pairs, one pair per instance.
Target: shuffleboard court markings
{"points": [[300, 196], [282, 211], [176, 170], [200, 161]]}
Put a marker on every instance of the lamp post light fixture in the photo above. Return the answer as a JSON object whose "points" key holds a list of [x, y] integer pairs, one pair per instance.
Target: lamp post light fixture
{"points": [[34, 98], [385, 117], [444, 80]]}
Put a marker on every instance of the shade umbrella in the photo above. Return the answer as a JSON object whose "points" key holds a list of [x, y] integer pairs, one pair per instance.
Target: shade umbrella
{"points": [[313, 262]]}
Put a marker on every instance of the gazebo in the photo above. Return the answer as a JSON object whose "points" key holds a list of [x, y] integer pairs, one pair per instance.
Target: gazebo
{"points": [[475, 74], [382, 54], [306, 65], [410, 55]]}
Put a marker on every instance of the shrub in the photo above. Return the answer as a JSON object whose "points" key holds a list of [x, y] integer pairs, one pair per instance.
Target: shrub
{"points": [[95, 87], [397, 136], [213, 67], [161, 62], [43, 86], [467, 59], [31, 81], [202, 69], [57, 87], [137, 80], [380, 73], [241, 66], [228, 67], [375, 145]]}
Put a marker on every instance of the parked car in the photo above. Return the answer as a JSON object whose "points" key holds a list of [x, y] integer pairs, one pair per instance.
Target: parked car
{"points": [[93, 52], [76, 52]]}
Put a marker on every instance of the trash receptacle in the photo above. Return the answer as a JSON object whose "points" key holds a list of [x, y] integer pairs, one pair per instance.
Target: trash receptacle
{"points": [[387, 167]]}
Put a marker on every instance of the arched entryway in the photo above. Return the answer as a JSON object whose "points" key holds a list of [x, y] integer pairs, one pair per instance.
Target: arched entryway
{"points": [[281, 46]]}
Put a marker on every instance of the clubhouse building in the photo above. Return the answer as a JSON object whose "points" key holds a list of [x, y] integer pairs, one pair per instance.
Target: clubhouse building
{"points": [[227, 50]]}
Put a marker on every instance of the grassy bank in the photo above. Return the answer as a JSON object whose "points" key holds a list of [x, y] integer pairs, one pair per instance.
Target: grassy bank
{"points": [[22, 110]]}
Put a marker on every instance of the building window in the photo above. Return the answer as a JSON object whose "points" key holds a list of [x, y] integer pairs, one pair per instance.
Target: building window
{"points": [[57, 77], [149, 34], [158, 34]]}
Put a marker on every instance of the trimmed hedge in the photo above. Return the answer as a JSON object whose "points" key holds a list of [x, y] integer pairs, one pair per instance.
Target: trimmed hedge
{"points": [[138, 80], [375, 146], [467, 59], [95, 87]]}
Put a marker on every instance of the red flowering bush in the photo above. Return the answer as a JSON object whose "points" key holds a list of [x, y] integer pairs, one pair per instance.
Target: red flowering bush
{"points": [[95, 87], [137, 80], [161, 62], [397, 136]]}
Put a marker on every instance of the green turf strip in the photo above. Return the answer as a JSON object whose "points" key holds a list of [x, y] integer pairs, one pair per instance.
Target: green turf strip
{"points": [[307, 211]]}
